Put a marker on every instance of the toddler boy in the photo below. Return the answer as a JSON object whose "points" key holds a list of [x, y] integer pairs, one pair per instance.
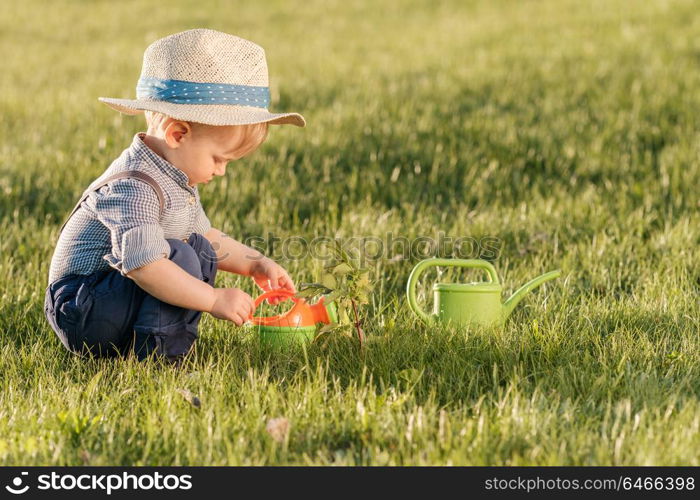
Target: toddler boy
{"points": [[135, 263]]}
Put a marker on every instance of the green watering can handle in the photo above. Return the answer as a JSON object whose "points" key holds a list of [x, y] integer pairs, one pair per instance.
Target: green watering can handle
{"points": [[425, 264]]}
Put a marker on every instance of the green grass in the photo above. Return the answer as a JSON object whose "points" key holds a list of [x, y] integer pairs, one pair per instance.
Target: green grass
{"points": [[566, 129]]}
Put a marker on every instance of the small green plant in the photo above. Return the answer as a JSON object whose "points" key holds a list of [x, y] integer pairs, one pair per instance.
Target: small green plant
{"points": [[345, 282]]}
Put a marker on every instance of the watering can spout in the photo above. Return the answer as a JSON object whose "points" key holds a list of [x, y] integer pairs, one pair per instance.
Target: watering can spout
{"points": [[515, 299]]}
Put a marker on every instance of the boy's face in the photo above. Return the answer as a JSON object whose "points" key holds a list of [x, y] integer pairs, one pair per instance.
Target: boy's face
{"points": [[203, 151]]}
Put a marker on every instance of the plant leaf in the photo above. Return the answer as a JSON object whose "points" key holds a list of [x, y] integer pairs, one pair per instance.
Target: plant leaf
{"points": [[362, 298], [329, 281], [363, 281], [310, 290], [334, 295], [342, 269]]}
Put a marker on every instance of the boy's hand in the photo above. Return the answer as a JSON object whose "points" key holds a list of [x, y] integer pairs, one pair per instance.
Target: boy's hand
{"points": [[269, 275], [232, 304]]}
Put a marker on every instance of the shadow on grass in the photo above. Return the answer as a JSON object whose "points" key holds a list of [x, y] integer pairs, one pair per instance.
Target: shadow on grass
{"points": [[568, 355], [565, 353]]}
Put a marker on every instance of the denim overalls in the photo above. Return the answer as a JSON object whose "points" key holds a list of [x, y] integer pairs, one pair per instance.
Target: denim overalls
{"points": [[105, 314]]}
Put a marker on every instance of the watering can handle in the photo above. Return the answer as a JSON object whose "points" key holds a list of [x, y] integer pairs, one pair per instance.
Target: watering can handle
{"points": [[424, 264], [279, 292]]}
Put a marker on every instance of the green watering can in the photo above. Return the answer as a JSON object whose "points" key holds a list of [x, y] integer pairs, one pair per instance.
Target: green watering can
{"points": [[469, 303]]}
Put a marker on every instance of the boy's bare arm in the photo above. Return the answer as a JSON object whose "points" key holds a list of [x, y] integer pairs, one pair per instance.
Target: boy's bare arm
{"points": [[235, 257], [232, 256], [168, 282]]}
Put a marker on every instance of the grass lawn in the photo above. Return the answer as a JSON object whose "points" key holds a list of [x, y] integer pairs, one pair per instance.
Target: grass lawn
{"points": [[566, 131]]}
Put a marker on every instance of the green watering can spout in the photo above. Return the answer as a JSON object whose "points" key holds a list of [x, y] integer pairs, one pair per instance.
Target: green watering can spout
{"points": [[515, 299]]}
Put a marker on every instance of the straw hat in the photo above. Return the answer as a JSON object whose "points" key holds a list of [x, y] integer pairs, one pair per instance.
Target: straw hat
{"points": [[205, 76]]}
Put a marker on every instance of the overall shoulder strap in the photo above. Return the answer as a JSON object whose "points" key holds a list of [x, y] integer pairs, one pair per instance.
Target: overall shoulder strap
{"points": [[127, 174]]}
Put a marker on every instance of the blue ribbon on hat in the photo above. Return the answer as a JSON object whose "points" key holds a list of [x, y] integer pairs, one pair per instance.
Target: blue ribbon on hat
{"points": [[182, 92]]}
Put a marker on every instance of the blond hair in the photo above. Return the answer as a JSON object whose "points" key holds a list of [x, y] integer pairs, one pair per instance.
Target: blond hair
{"points": [[252, 136]]}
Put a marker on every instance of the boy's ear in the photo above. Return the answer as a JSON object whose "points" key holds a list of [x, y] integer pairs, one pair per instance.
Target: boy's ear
{"points": [[176, 132]]}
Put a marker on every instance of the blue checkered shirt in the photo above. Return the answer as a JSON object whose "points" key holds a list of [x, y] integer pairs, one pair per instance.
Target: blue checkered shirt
{"points": [[120, 226]]}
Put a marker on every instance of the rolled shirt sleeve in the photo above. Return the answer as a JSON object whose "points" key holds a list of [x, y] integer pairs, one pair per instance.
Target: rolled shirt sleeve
{"points": [[129, 208], [201, 221]]}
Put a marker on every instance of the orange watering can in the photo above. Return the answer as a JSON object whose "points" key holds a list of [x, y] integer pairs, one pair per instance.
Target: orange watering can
{"points": [[298, 325]]}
